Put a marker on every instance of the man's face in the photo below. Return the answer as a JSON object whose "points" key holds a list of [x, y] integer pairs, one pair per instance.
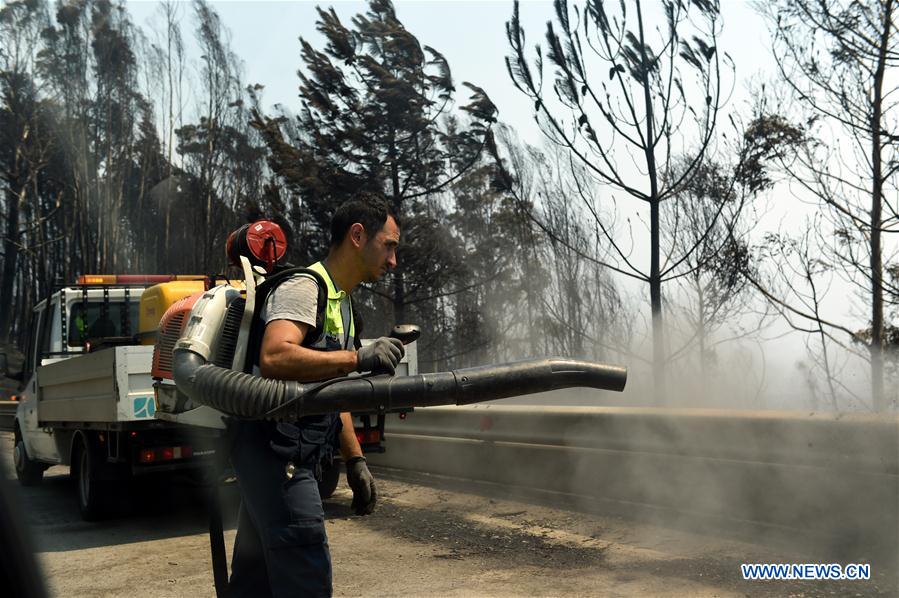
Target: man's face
{"points": [[379, 251]]}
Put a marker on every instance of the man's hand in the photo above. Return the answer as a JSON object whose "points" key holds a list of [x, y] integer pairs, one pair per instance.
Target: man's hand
{"points": [[365, 492], [383, 354]]}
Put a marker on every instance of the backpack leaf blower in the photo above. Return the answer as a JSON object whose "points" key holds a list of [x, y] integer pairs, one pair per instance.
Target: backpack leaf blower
{"points": [[201, 360]]}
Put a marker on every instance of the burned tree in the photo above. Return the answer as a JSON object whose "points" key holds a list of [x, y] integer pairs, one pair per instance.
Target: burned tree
{"points": [[25, 152], [705, 225], [617, 94], [837, 66], [374, 102]]}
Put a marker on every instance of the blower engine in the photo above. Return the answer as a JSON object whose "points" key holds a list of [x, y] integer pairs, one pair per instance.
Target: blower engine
{"points": [[200, 360]]}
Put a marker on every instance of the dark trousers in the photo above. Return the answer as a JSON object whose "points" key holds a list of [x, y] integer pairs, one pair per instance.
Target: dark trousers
{"points": [[281, 548]]}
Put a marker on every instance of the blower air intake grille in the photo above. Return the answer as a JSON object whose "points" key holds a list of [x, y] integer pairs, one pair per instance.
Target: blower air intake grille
{"points": [[168, 336], [171, 327], [228, 341]]}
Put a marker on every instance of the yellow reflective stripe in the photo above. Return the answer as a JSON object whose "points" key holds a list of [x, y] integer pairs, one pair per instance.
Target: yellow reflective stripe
{"points": [[333, 318]]}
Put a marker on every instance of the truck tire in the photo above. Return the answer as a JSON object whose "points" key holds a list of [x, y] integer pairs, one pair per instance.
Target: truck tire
{"points": [[330, 478], [93, 499], [29, 472]]}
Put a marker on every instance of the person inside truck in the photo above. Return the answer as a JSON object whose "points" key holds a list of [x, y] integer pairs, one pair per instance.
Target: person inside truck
{"points": [[281, 546], [102, 327], [92, 321]]}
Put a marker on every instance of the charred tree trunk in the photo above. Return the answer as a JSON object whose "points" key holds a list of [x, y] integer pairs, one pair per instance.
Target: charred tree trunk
{"points": [[399, 286], [10, 259], [655, 271], [877, 221]]}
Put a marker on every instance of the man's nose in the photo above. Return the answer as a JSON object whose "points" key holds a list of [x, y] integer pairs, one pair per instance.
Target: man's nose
{"points": [[391, 260]]}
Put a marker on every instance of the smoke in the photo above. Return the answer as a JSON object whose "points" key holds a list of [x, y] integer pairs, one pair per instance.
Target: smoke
{"points": [[751, 363]]}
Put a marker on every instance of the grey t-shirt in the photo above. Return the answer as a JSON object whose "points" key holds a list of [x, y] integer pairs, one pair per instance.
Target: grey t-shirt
{"points": [[297, 299], [294, 299]]}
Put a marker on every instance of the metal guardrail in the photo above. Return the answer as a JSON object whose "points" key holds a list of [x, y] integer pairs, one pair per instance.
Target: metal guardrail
{"points": [[7, 415], [832, 478]]}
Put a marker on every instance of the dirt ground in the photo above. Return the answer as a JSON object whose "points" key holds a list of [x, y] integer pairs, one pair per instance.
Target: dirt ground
{"points": [[429, 537]]}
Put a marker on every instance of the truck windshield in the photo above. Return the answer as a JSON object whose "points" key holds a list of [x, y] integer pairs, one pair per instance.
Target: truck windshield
{"points": [[96, 322]]}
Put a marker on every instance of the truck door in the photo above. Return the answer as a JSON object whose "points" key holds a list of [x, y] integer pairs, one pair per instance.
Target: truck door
{"points": [[40, 443]]}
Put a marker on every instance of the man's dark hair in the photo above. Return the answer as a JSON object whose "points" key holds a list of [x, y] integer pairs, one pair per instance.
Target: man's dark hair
{"points": [[368, 209]]}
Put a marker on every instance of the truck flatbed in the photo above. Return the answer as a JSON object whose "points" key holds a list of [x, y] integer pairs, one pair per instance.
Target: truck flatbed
{"points": [[109, 386]]}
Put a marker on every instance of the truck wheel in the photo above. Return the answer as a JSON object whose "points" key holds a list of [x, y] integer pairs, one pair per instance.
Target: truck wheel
{"points": [[92, 493], [330, 479], [29, 472]]}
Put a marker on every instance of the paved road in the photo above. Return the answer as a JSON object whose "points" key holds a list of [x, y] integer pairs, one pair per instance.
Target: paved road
{"points": [[430, 537]]}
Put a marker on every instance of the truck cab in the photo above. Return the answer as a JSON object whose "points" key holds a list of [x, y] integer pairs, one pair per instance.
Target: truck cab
{"points": [[69, 323]]}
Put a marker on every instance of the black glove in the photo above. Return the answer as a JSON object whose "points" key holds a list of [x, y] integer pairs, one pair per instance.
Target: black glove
{"points": [[382, 355], [365, 492]]}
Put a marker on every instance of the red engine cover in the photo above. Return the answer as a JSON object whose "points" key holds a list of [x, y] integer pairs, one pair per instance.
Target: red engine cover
{"points": [[171, 328]]}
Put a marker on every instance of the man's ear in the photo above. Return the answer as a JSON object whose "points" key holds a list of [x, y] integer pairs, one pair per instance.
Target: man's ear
{"points": [[357, 234]]}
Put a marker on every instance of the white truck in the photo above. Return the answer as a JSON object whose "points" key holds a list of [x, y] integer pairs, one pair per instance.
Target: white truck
{"points": [[87, 395]]}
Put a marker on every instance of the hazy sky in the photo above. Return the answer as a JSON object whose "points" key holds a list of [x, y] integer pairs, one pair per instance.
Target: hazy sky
{"points": [[471, 34]]}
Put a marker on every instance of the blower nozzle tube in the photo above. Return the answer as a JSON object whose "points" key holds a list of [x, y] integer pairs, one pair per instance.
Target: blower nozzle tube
{"points": [[253, 397]]}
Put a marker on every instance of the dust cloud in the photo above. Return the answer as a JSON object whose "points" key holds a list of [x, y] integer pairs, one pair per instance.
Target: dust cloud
{"points": [[741, 449]]}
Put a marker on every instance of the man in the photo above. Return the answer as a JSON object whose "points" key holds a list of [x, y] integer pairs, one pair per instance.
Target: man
{"points": [[281, 548]]}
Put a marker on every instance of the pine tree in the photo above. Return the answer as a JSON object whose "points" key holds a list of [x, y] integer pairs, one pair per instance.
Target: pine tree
{"points": [[372, 118]]}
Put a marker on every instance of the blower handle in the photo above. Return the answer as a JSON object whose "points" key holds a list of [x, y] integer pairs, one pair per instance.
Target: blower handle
{"points": [[406, 333]]}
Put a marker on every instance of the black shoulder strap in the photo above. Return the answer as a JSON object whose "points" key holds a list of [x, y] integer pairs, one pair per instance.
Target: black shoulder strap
{"points": [[263, 290], [357, 325]]}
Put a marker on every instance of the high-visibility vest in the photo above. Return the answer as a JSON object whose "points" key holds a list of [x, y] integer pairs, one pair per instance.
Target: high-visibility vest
{"points": [[333, 318]]}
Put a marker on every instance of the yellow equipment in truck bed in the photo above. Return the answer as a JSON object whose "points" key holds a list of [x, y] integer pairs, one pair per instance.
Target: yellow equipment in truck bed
{"points": [[157, 299]]}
